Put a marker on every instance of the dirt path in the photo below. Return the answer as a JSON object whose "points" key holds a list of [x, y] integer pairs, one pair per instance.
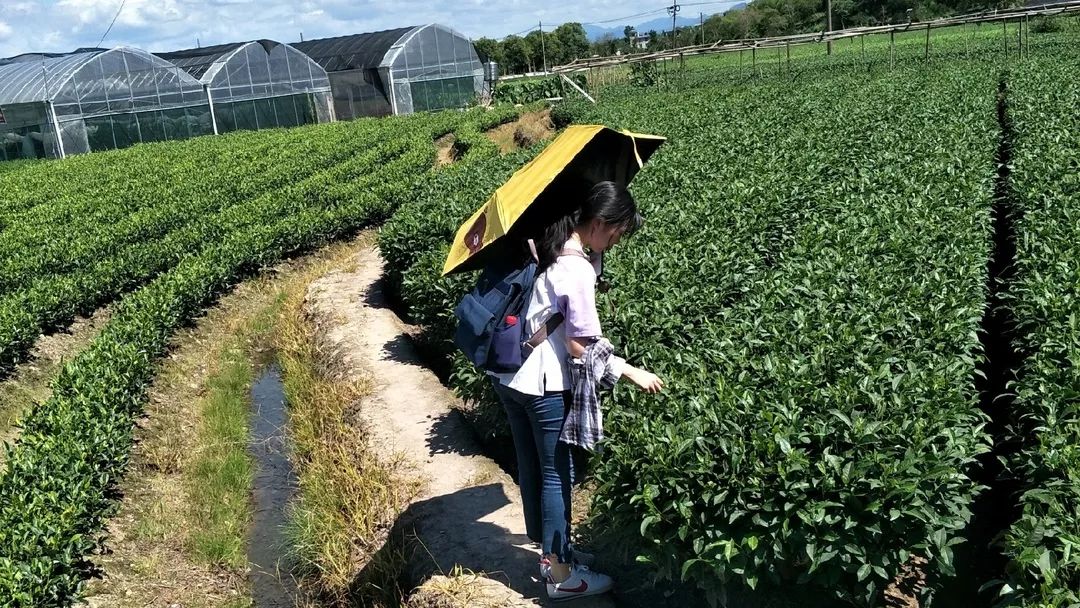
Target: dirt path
{"points": [[469, 513]]}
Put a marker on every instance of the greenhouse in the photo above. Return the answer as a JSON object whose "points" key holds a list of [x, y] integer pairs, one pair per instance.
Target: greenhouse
{"points": [[400, 71], [258, 85], [96, 99]]}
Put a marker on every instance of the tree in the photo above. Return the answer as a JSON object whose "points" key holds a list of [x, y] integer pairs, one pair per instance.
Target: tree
{"points": [[550, 47], [573, 42], [606, 46], [489, 50], [712, 27], [629, 33], [517, 54]]}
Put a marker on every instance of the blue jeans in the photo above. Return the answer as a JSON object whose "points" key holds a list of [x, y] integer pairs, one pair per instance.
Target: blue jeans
{"points": [[545, 466]]}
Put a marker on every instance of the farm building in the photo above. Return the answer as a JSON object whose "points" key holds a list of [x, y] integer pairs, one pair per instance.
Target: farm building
{"points": [[400, 71], [258, 85], [97, 99]]}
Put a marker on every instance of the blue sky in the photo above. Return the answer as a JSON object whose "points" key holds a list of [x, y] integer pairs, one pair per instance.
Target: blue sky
{"points": [[157, 25]]}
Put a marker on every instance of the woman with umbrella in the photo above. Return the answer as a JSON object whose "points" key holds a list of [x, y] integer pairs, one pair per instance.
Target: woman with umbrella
{"points": [[542, 393]]}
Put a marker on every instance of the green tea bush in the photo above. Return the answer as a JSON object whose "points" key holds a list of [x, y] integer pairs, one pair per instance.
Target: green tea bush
{"points": [[55, 492], [820, 424], [1045, 298]]}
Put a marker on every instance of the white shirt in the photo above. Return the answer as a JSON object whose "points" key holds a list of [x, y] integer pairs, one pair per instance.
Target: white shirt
{"points": [[569, 286]]}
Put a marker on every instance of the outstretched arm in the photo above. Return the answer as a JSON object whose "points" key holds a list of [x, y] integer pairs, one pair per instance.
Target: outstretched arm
{"points": [[646, 381]]}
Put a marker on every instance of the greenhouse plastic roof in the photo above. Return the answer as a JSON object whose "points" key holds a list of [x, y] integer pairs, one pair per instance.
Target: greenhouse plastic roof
{"points": [[39, 56], [37, 77], [354, 52], [41, 77], [197, 61]]}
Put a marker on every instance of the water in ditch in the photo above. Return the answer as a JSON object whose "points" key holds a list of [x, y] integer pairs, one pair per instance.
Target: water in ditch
{"points": [[272, 583]]}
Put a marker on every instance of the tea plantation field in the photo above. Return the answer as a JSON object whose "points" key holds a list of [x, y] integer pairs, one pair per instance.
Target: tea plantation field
{"points": [[164, 229], [861, 286]]}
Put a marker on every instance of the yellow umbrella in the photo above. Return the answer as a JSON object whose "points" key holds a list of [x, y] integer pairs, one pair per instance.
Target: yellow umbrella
{"points": [[591, 153]]}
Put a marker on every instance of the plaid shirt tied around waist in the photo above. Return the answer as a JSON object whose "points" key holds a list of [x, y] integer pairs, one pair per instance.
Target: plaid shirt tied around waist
{"points": [[584, 425]]}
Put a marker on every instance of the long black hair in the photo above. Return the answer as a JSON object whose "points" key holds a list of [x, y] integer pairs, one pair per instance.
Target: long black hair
{"points": [[607, 201]]}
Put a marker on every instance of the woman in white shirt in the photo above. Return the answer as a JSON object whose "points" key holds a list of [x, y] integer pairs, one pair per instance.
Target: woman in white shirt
{"points": [[536, 396]]}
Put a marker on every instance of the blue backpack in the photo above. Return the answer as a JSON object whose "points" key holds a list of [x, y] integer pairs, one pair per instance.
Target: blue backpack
{"points": [[491, 317]]}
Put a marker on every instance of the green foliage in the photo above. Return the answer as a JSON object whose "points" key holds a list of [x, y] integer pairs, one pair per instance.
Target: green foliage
{"points": [[536, 89], [517, 53], [821, 436], [1043, 544], [55, 491], [645, 74], [1046, 25], [810, 282], [489, 50], [14, 165], [80, 232], [820, 423]]}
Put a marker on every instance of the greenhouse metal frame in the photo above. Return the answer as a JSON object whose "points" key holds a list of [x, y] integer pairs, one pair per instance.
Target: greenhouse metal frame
{"points": [[95, 99], [259, 84], [400, 71]]}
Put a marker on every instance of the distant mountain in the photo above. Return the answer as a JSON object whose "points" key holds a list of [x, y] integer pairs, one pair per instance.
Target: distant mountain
{"points": [[660, 24], [595, 32], [663, 24]]}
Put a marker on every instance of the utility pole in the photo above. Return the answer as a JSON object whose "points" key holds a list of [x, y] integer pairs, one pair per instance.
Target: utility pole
{"points": [[674, 10], [543, 46], [828, 44], [701, 19]]}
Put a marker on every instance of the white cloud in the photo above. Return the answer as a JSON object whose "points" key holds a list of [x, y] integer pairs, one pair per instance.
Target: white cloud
{"points": [[171, 24]]}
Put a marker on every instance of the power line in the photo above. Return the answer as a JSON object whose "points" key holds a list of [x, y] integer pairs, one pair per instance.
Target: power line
{"points": [[657, 11], [524, 31], [111, 23], [645, 14]]}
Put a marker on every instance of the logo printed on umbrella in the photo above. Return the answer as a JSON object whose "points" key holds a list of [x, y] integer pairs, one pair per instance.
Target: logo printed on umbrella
{"points": [[474, 239]]}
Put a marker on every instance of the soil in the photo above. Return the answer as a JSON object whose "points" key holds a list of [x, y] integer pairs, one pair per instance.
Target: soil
{"points": [[530, 128], [468, 517], [904, 590]]}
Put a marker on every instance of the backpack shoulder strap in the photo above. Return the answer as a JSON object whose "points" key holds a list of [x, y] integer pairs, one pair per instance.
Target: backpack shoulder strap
{"points": [[555, 320], [548, 328]]}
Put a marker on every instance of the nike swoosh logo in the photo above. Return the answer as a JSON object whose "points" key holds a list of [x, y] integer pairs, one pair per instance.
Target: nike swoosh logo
{"points": [[583, 587]]}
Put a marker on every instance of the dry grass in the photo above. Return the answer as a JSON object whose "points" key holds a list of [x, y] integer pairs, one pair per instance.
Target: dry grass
{"points": [[444, 150], [461, 589], [529, 129], [348, 496], [151, 558]]}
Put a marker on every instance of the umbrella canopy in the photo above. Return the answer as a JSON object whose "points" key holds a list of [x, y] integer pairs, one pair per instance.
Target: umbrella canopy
{"points": [[581, 156]]}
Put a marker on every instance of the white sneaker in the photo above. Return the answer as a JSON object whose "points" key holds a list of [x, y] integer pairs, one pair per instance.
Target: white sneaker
{"points": [[580, 558], [581, 582]]}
